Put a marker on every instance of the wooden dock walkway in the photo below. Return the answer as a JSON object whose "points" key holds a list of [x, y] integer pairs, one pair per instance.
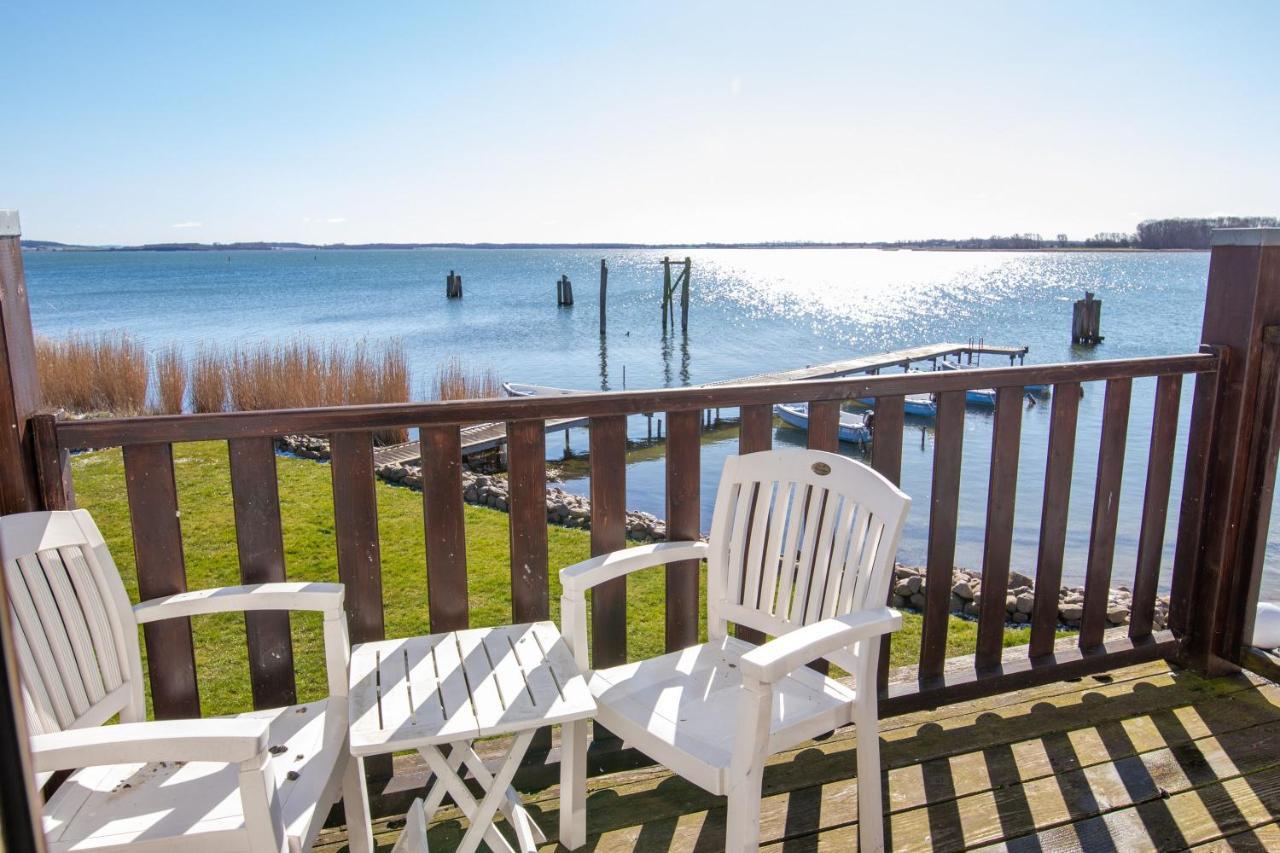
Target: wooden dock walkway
{"points": [[481, 437], [874, 363], [476, 438]]}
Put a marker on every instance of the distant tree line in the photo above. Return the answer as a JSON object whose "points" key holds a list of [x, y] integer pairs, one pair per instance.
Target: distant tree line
{"points": [[1151, 234]]}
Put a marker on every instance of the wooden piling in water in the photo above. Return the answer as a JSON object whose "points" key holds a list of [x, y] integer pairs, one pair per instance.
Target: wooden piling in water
{"points": [[684, 296], [1086, 320], [453, 286], [666, 290], [604, 292], [564, 292]]}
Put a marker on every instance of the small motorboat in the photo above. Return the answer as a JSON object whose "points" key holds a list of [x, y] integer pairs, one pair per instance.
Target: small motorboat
{"points": [[522, 389], [1038, 390], [984, 397], [913, 405], [853, 425]]}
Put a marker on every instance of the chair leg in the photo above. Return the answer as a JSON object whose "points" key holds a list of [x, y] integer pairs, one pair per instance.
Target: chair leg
{"points": [[574, 739], [742, 822], [355, 804], [870, 807]]}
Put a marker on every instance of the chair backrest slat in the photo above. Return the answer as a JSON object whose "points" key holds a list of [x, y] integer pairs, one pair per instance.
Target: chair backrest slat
{"points": [[79, 661], [800, 536]]}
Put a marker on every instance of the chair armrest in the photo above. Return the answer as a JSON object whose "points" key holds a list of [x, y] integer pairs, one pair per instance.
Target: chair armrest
{"points": [[325, 597], [230, 740], [770, 662], [580, 577]]}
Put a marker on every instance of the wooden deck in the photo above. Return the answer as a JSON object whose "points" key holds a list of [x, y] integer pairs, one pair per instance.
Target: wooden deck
{"points": [[1148, 757]]}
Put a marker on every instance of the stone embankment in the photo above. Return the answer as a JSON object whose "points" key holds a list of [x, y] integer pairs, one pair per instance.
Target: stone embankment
{"points": [[966, 591], [569, 510], [563, 508]]}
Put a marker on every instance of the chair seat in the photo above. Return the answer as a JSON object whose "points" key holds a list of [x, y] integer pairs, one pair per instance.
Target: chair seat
{"points": [[681, 709], [195, 806]]}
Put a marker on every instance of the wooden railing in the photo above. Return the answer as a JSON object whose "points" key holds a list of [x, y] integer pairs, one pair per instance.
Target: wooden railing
{"points": [[148, 460]]}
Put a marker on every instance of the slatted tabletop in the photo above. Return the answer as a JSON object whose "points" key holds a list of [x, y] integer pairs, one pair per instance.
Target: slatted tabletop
{"points": [[462, 685]]}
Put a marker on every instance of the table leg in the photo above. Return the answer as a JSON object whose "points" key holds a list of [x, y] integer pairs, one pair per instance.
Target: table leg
{"points": [[355, 804], [496, 794], [457, 788], [573, 783], [527, 830]]}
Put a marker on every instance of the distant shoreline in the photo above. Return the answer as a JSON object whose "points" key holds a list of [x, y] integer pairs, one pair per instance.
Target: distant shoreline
{"points": [[44, 246]]}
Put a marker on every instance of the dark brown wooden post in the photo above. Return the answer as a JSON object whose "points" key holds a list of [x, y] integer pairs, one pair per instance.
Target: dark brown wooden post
{"points": [[1213, 605], [19, 385], [683, 523], [255, 502], [445, 528]]}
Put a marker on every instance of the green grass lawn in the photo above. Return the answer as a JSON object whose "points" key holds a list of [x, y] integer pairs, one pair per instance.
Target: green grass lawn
{"points": [[208, 529]]}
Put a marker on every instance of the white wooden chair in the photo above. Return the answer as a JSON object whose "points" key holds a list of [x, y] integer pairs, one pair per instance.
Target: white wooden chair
{"points": [[260, 781], [801, 548]]}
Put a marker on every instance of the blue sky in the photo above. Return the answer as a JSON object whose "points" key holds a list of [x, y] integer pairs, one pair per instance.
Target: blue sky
{"points": [[133, 122]]}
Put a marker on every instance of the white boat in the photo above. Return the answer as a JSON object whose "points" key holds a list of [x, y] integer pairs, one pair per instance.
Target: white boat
{"points": [[523, 389], [853, 425]]}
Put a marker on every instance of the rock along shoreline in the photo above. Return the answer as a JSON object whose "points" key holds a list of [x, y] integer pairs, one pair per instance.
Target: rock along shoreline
{"points": [[909, 582]]}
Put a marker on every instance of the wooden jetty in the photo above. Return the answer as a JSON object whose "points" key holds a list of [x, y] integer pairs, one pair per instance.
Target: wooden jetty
{"points": [[903, 358], [476, 438]]}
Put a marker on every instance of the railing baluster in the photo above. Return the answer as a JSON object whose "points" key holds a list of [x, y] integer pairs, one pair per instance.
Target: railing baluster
{"points": [[444, 528], [1053, 515], [157, 548], [53, 464], [1106, 500], [1155, 504], [255, 500], [886, 457], [683, 522], [755, 428], [755, 433], [355, 527], [1195, 481], [527, 497], [608, 449], [944, 503], [824, 425], [998, 542]]}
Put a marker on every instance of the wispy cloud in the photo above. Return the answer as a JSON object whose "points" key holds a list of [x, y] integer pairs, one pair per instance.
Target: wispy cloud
{"points": [[186, 225], [325, 220]]}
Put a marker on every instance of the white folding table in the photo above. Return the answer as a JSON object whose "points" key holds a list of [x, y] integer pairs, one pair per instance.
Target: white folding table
{"points": [[437, 694]]}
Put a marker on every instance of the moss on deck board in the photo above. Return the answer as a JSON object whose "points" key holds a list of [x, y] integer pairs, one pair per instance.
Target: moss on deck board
{"points": [[209, 548]]}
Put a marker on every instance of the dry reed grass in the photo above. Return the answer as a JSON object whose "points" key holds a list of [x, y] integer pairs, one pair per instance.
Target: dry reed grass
{"points": [[304, 374], [108, 372], [171, 380], [208, 380], [99, 372], [456, 382]]}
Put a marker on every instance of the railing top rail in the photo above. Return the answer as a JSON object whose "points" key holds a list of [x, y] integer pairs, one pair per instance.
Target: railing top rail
{"points": [[111, 432]]}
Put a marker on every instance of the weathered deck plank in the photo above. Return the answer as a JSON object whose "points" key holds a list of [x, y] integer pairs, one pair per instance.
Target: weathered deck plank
{"points": [[1104, 757]]}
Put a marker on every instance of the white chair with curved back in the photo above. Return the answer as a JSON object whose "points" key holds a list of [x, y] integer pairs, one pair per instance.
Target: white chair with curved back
{"points": [[801, 548], [260, 781]]}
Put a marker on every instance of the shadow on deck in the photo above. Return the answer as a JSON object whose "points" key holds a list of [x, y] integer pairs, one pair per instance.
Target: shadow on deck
{"points": [[1148, 757]]}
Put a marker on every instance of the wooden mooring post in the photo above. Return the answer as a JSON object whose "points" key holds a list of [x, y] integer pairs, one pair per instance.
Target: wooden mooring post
{"points": [[1086, 320], [684, 296], [669, 294], [453, 286], [564, 292], [604, 292]]}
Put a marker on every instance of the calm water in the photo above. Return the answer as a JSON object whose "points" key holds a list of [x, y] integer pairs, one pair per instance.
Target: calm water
{"points": [[753, 310]]}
